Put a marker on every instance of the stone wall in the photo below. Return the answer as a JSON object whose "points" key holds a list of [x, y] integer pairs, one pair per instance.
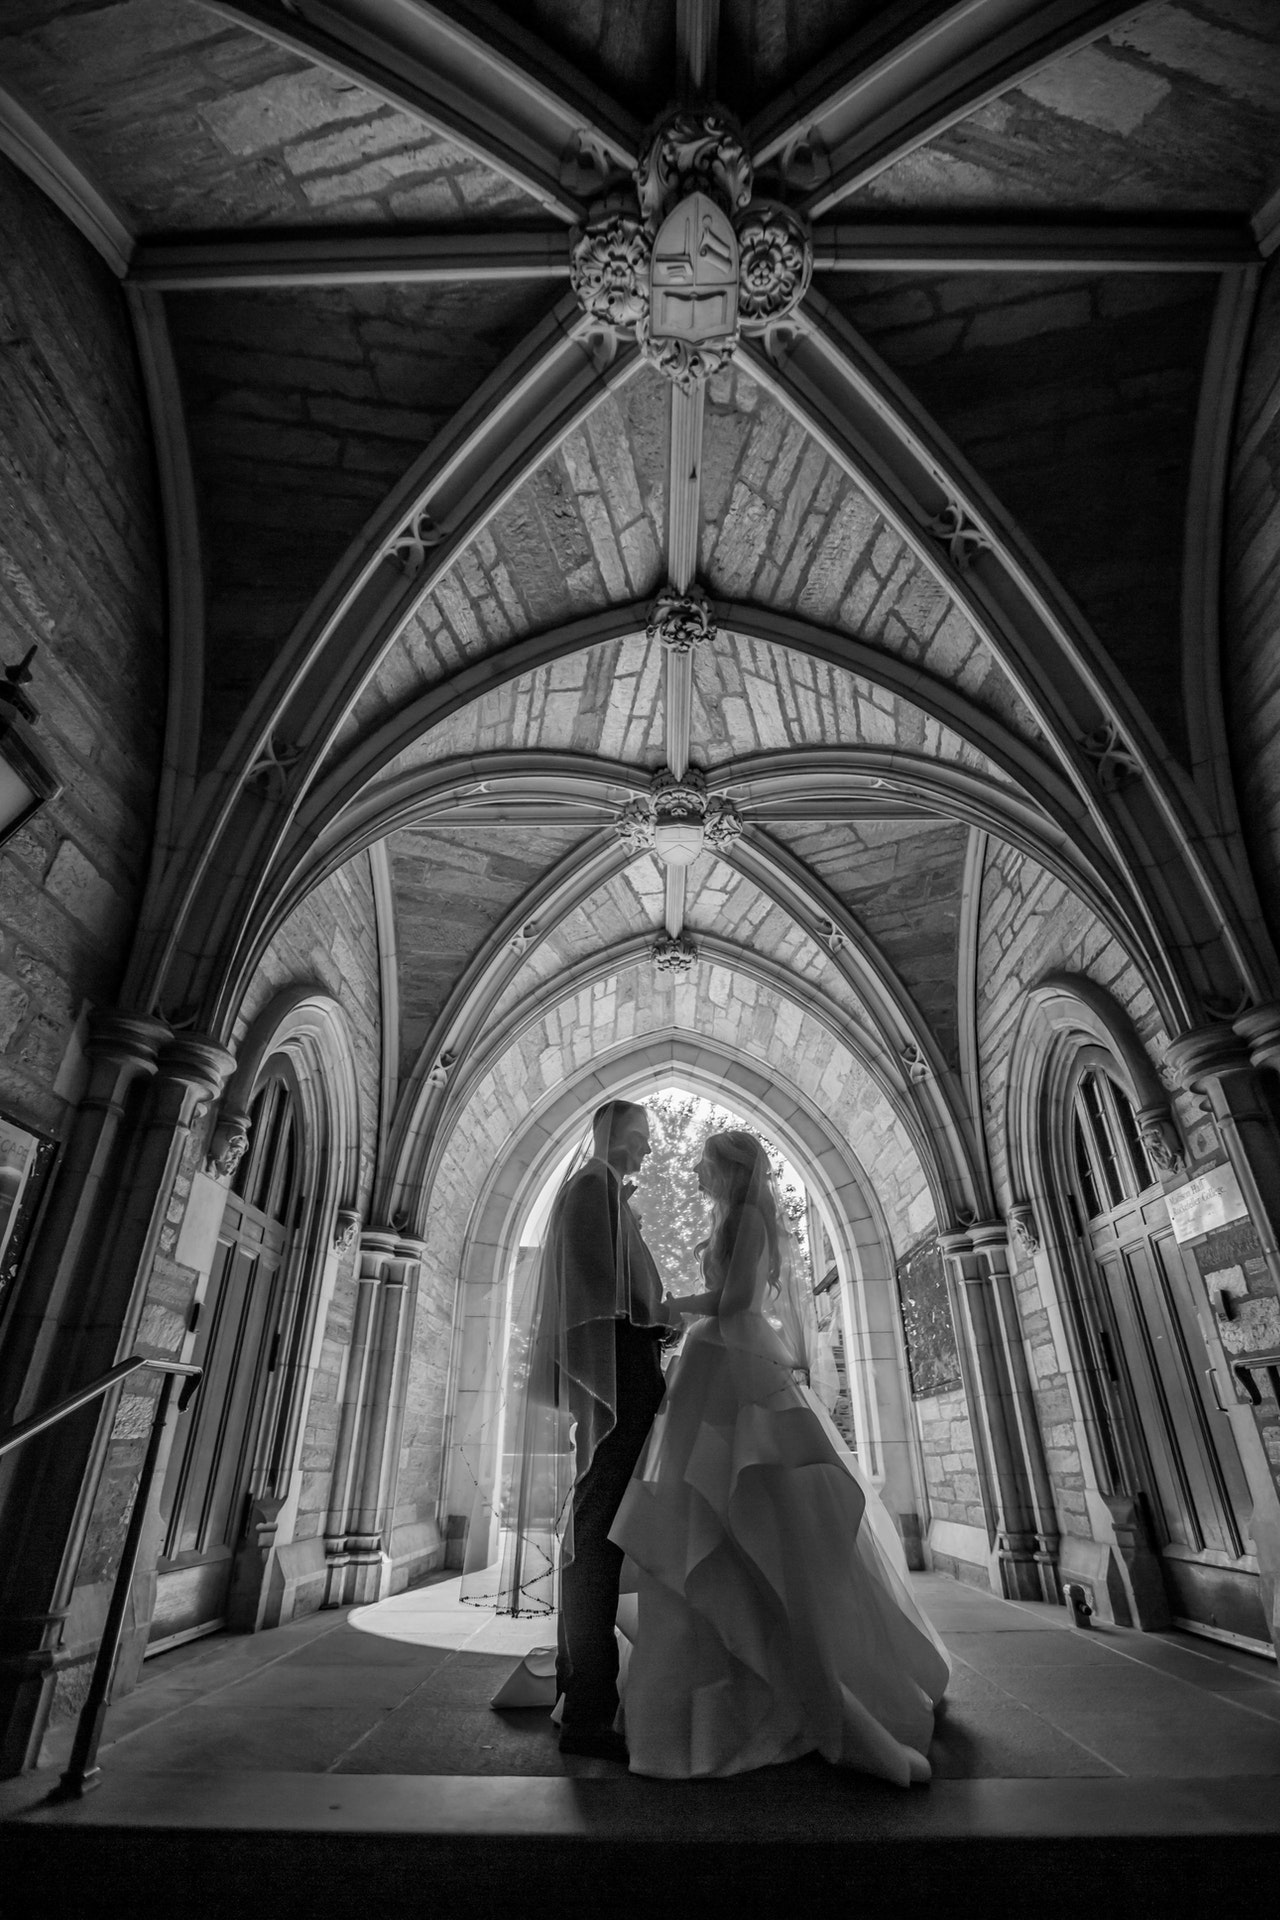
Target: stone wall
{"points": [[331, 940], [79, 578], [950, 1462], [1251, 599]]}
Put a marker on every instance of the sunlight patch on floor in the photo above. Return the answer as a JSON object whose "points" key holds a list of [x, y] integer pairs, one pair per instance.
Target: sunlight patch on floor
{"points": [[435, 1616]]}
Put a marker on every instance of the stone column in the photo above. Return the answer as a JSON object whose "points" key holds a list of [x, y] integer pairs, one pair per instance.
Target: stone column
{"points": [[83, 1304], [358, 1536], [366, 1542], [370, 1262], [991, 1241], [995, 1417]]}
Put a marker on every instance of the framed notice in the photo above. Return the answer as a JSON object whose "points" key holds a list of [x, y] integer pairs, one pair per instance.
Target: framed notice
{"points": [[26, 1161], [1201, 1205]]}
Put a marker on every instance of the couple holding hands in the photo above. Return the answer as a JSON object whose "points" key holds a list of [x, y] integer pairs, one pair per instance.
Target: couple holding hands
{"points": [[716, 1518]]}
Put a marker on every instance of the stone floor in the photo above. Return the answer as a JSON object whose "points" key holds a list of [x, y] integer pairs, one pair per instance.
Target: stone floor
{"points": [[402, 1688]]}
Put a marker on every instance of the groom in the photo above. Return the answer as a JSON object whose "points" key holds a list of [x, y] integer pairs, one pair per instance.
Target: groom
{"points": [[614, 1326]]}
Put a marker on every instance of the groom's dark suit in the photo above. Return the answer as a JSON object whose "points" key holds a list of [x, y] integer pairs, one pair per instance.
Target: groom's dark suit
{"points": [[597, 1231]]}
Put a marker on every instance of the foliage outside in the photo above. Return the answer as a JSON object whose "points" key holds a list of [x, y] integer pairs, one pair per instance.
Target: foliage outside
{"points": [[673, 1214]]}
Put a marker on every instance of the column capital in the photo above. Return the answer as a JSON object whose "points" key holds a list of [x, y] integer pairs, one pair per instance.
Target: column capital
{"points": [[1206, 1053], [198, 1062], [1259, 1028], [126, 1039], [988, 1235]]}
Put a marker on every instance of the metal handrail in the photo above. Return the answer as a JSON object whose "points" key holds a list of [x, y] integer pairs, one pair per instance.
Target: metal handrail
{"points": [[82, 1773]]}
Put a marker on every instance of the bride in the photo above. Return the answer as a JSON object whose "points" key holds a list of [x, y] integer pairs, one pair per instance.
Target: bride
{"points": [[765, 1590]]}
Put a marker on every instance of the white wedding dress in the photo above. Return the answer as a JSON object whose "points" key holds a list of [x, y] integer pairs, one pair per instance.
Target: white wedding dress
{"points": [[765, 1592]]}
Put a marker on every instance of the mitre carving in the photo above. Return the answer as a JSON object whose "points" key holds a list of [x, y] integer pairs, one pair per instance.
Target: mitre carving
{"points": [[681, 621], [692, 261], [676, 954]]}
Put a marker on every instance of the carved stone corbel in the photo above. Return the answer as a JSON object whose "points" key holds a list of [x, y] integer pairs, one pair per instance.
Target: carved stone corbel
{"points": [[1024, 1228], [678, 955], [1159, 1135], [346, 1230], [681, 621], [228, 1144]]}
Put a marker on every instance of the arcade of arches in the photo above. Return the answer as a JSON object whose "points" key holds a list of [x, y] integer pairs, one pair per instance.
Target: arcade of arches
{"points": [[577, 549]]}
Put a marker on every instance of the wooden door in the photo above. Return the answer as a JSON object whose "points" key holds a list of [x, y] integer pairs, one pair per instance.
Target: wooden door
{"points": [[204, 1502], [1173, 1440]]}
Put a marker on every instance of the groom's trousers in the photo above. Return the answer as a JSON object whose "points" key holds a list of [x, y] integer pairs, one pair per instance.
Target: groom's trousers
{"points": [[587, 1662]]}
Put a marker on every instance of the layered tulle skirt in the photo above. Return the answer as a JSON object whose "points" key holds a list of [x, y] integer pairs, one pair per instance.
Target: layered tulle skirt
{"points": [[765, 1593]]}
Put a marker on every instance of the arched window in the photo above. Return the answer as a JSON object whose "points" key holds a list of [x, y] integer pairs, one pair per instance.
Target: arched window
{"points": [[1111, 1161]]}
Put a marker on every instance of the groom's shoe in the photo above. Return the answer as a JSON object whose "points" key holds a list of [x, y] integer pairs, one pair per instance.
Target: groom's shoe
{"points": [[598, 1743]]}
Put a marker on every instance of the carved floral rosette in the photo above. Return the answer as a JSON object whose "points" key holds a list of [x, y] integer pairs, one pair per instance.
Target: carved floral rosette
{"points": [[694, 150], [775, 264], [721, 825], [681, 621], [634, 826], [677, 956], [609, 267]]}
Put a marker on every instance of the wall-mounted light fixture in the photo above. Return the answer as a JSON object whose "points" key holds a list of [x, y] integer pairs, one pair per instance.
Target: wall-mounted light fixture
{"points": [[27, 779]]}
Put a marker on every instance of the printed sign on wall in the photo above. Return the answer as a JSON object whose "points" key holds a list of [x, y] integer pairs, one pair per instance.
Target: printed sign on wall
{"points": [[1205, 1203]]}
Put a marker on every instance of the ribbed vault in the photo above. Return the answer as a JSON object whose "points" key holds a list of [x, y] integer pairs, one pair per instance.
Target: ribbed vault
{"points": [[421, 504]]}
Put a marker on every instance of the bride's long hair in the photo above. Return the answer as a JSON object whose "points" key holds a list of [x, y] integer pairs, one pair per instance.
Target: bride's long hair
{"points": [[739, 1176]]}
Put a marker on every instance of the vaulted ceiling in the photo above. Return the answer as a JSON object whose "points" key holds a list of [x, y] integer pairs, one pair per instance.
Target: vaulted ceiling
{"points": [[419, 506]]}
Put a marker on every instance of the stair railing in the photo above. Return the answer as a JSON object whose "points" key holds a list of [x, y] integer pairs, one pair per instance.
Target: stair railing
{"points": [[82, 1773]]}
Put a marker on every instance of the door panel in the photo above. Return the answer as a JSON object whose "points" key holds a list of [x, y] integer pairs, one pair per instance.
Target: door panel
{"points": [[205, 1487], [1194, 1479]]}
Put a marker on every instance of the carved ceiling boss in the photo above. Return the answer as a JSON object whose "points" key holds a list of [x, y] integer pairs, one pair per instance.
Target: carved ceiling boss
{"points": [[688, 261]]}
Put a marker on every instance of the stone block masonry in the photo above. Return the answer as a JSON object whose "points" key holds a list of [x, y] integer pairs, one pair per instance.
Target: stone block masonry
{"points": [[1060, 389], [304, 408], [159, 92], [331, 939], [1251, 599], [80, 578]]}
